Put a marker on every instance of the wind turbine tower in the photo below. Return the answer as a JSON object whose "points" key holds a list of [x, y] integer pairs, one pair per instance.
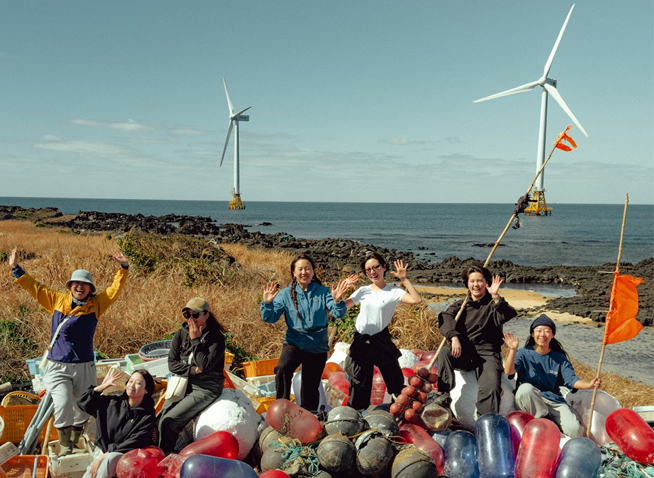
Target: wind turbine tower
{"points": [[234, 119], [539, 206]]}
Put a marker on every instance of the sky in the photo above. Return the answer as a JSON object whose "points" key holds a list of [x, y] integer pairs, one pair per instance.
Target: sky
{"points": [[366, 101]]}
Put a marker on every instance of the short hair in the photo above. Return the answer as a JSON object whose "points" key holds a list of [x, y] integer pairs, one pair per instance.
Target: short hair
{"points": [[149, 380], [476, 268]]}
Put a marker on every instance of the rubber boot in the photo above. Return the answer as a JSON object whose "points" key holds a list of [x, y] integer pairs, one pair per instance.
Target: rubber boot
{"points": [[75, 435], [65, 443]]}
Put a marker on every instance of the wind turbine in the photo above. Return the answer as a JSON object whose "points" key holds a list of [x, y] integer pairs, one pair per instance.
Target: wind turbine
{"points": [[234, 119], [549, 88]]}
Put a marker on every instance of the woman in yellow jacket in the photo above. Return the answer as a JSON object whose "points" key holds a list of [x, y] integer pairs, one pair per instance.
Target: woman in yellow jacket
{"points": [[70, 370]]}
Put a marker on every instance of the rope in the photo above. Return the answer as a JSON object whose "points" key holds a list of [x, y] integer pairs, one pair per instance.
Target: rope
{"points": [[616, 464], [298, 455]]}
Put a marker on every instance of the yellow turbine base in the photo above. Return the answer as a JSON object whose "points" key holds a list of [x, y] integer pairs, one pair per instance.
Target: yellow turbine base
{"points": [[236, 202], [539, 206]]}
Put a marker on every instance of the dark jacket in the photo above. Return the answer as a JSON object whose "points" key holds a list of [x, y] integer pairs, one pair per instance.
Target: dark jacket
{"points": [[119, 427], [208, 355], [480, 324]]}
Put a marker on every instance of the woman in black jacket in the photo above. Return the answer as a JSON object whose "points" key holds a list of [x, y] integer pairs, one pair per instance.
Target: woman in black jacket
{"points": [[123, 422], [198, 353]]}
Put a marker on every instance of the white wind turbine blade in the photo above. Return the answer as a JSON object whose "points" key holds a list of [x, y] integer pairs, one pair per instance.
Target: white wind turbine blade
{"points": [[240, 112], [512, 91], [555, 94], [229, 132], [229, 101], [548, 64]]}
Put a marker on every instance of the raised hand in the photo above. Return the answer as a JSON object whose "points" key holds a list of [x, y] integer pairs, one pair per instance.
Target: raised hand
{"points": [[352, 279], [511, 341], [194, 330], [494, 288], [120, 258], [13, 257], [270, 290], [340, 289], [400, 269]]}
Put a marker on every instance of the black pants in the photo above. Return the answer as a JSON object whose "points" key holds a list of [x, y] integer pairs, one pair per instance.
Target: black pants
{"points": [[312, 368], [488, 369], [367, 351]]}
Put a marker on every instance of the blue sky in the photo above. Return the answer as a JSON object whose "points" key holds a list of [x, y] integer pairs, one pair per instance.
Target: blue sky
{"points": [[351, 101]]}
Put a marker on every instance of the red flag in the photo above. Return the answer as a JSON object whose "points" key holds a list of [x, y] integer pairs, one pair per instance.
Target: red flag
{"points": [[564, 137], [621, 323]]}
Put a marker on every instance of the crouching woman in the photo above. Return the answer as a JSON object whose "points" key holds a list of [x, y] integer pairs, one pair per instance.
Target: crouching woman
{"points": [[123, 422], [545, 376]]}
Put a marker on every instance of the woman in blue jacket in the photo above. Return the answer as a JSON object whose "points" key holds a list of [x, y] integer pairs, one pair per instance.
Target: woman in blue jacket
{"points": [[305, 304]]}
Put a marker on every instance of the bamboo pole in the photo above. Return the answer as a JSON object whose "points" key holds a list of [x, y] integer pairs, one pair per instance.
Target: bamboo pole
{"points": [[497, 244], [601, 359]]}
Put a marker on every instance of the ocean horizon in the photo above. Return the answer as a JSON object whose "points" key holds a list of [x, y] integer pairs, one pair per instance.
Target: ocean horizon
{"points": [[574, 235]]}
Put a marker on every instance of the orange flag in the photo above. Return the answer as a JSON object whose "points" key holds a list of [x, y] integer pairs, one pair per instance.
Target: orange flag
{"points": [[621, 323], [564, 137]]}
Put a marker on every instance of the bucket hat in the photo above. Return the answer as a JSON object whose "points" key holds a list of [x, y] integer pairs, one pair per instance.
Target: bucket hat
{"points": [[81, 275]]}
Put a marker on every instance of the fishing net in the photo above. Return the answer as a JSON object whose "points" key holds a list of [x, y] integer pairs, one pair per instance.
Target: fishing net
{"points": [[616, 464]]}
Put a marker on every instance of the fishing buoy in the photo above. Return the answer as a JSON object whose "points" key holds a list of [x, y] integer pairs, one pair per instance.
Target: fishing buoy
{"points": [[170, 467], [632, 435], [378, 392], [518, 421], [203, 466], [494, 446], [294, 421], [374, 454], [138, 463], [460, 452], [330, 368], [580, 458], [336, 453], [418, 436], [221, 444], [412, 463], [345, 420], [274, 474], [539, 449]]}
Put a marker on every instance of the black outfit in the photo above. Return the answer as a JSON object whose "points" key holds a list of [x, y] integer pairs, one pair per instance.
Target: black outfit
{"points": [[480, 332], [119, 427], [203, 388], [367, 351], [313, 365]]}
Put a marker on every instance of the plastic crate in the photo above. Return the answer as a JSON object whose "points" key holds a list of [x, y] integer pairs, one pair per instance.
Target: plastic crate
{"points": [[130, 361], [7, 451], [33, 366], [22, 466], [70, 466], [265, 403], [260, 368], [157, 368], [17, 418], [155, 350], [267, 389]]}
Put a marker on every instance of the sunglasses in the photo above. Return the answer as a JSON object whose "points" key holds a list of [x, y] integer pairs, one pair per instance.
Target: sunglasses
{"points": [[188, 315], [373, 268]]}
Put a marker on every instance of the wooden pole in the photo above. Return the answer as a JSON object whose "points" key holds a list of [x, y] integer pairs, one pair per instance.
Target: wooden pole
{"points": [[490, 254], [601, 359]]}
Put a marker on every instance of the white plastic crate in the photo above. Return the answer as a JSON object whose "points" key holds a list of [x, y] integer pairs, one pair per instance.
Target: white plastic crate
{"points": [[8, 450], [157, 368], [70, 466], [262, 380]]}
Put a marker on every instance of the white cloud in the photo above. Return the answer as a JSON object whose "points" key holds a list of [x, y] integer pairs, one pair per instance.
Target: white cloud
{"points": [[80, 147], [186, 132], [400, 141], [126, 126]]}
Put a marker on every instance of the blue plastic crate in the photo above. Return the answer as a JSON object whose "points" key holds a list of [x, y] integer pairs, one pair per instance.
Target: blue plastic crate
{"points": [[33, 364]]}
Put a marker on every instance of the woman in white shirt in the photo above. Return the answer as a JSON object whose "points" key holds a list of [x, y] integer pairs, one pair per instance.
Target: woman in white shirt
{"points": [[372, 343]]}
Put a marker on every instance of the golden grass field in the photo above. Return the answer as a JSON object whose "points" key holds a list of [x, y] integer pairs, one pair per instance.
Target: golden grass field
{"points": [[165, 273]]}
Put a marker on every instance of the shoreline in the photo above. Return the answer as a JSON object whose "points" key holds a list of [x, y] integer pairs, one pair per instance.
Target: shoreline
{"points": [[341, 256]]}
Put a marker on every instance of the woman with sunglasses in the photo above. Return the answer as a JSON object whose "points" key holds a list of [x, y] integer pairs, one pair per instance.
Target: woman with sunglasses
{"points": [[372, 343], [198, 353]]}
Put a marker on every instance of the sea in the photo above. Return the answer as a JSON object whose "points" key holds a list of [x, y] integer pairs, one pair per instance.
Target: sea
{"points": [[574, 235]]}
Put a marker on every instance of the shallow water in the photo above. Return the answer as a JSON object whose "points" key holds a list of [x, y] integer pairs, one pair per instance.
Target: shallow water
{"points": [[547, 290]]}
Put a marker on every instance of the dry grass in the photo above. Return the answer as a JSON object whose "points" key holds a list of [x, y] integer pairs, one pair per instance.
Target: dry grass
{"points": [[149, 307]]}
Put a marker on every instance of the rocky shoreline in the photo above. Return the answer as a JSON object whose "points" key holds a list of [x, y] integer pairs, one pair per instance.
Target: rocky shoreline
{"points": [[592, 283]]}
